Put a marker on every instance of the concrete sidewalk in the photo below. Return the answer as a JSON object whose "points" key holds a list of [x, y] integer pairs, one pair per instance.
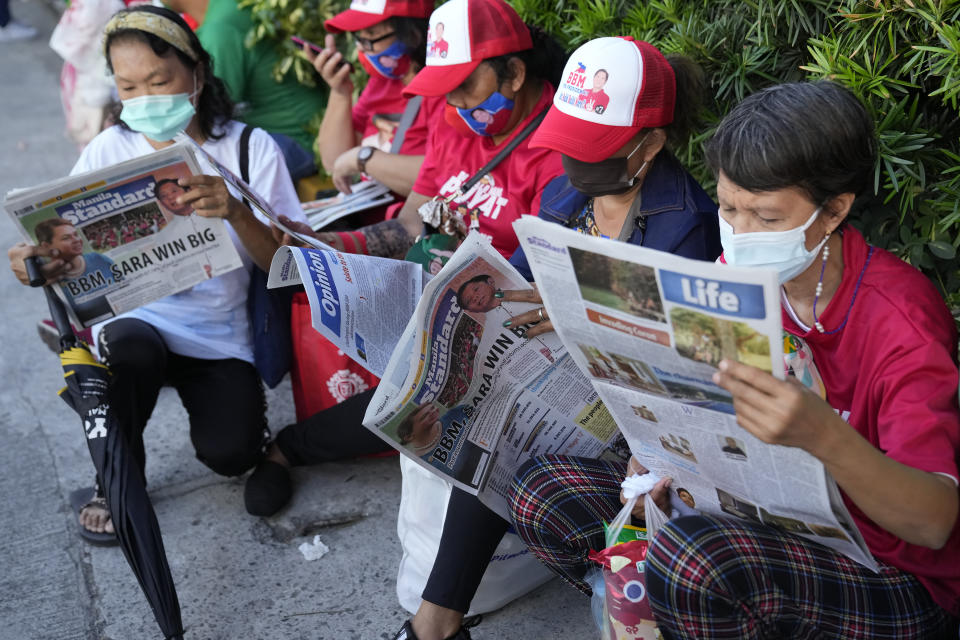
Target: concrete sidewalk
{"points": [[237, 576]]}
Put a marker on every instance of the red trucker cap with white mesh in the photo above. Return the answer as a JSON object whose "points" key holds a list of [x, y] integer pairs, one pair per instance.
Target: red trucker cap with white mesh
{"points": [[363, 14], [611, 89], [464, 33]]}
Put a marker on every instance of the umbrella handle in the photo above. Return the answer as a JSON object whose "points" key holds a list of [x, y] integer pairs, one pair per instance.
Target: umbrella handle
{"points": [[58, 311]]}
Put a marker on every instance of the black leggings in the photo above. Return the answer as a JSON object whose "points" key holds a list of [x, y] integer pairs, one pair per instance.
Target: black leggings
{"points": [[223, 398], [332, 434]]}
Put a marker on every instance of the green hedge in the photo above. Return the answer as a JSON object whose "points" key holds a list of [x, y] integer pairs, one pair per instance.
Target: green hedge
{"points": [[901, 57]]}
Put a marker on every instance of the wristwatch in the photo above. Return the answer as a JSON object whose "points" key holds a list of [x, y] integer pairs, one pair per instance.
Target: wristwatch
{"points": [[363, 155]]}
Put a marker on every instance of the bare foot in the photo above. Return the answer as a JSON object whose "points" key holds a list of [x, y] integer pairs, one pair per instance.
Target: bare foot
{"points": [[95, 517], [275, 455]]}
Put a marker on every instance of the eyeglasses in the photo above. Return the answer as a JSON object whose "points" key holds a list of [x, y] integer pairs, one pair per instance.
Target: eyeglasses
{"points": [[367, 43]]}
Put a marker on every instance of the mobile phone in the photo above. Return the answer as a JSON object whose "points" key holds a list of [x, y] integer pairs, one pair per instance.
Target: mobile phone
{"points": [[300, 41]]}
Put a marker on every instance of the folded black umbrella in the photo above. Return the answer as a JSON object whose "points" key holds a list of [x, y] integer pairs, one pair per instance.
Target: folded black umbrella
{"points": [[130, 509]]}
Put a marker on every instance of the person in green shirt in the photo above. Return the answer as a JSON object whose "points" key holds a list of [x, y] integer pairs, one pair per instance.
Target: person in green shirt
{"points": [[282, 109]]}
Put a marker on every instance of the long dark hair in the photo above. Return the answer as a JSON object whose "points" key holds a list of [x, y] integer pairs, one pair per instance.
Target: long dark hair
{"points": [[214, 108], [413, 33]]}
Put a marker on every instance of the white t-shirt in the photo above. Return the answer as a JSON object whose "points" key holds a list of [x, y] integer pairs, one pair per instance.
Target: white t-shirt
{"points": [[209, 320]]}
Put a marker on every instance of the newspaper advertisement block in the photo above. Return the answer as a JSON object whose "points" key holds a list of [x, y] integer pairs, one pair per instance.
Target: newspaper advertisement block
{"points": [[649, 329], [126, 240], [359, 303], [470, 398]]}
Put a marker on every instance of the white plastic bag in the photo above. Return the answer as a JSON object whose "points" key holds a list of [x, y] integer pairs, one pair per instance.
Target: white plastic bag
{"points": [[512, 572]]}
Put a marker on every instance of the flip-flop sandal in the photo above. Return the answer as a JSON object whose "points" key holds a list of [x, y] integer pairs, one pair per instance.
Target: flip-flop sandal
{"points": [[80, 500]]}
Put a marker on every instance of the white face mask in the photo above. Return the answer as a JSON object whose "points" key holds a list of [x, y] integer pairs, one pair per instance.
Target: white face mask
{"points": [[783, 251]]}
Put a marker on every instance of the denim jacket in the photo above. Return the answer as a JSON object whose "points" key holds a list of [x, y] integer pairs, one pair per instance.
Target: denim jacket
{"points": [[676, 215]]}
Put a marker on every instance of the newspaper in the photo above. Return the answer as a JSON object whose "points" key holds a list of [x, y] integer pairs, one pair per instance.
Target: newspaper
{"points": [[359, 303], [365, 195], [250, 197], [649, 329], [128, 248], [471, 399]]}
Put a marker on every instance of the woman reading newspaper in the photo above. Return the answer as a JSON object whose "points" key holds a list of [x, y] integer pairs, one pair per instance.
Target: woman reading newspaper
{"points": [[197, 340], [621, 182], [790, 161], [506, 67]]}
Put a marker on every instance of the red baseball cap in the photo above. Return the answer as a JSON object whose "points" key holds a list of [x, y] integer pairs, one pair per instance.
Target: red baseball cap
{"points": [[612, 88], [464, 33], [363, 14]]}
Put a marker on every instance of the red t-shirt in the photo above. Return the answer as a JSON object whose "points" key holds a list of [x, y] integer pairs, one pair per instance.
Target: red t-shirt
{"points": [[381, 95], [510, 190], [888, 362], [430, 113], [596, 101]]}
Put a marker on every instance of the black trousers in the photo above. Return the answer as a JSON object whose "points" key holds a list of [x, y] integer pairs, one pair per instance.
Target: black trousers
{"points": [[471, 531], [332, 434], [223, 398]]}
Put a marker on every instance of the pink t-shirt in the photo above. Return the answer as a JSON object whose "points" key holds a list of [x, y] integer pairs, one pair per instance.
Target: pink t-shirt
{"points": [[888, 363], [510, 190]]}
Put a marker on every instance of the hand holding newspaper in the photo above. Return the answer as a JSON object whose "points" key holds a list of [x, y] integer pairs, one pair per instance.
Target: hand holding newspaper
{"points": [[124, 238], [471, 399], [649, 329]]}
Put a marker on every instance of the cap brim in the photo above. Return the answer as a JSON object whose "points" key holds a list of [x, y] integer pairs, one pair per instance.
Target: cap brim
{"points": [[351, 20], [439, 80], [579, 139]]}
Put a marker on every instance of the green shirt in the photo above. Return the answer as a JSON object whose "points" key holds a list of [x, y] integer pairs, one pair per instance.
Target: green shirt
{"points": [[285, 107]]}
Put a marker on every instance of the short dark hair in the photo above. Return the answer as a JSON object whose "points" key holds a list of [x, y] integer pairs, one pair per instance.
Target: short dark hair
{"points": [[814, 136], [606, 75], [214, 108], [160, 183], [45, 229], [480, 278], [544, 61]]}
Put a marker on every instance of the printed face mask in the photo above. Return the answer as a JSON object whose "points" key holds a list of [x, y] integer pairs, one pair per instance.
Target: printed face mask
{"points": [[604, 178], [392, 62], [160, 117], [488, 118], [783, 251]]}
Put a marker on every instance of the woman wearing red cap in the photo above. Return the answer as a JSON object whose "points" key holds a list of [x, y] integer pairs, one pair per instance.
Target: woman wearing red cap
{"points": [[391, 39], [621, 182], [884, 421], [487, 61]]}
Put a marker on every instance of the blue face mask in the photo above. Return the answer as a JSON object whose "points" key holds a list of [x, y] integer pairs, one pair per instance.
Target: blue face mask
{"points": [[490, 117], [159, 118], [392, 62]]}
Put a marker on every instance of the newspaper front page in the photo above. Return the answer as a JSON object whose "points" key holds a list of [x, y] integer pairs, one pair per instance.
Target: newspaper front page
{"points": [[471, 399], [360, 303], [126, 246], [649, 329]]}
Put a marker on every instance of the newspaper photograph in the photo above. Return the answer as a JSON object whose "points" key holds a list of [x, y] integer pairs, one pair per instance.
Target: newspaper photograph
{"points": [[359, 303], [471, 399], [649, 329], [126, 240]]}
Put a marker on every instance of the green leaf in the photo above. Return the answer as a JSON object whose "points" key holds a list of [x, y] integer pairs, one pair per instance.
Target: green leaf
{"points": [[942, 250]]}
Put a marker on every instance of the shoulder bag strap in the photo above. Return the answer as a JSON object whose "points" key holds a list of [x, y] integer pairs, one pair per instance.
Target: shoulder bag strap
{"points": [[245, 157], [409, 115]]}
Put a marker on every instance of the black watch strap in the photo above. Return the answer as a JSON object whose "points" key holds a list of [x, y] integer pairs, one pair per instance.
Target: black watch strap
{"points": [[363, 156]]}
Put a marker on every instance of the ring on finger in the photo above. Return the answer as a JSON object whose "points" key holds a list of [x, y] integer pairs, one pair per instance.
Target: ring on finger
{"points": [[540, 314]]}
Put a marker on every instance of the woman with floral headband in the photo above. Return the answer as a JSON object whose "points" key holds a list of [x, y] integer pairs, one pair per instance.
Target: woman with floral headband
{"points": [[198, 340]]}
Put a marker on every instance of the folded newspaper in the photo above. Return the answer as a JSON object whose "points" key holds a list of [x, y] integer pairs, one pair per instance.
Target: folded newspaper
{"points": [[649, 329], [365, 195], [124, 238]]}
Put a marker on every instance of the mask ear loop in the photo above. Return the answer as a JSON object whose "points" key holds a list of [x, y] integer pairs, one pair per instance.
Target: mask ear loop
{"points": [[645, 162]]}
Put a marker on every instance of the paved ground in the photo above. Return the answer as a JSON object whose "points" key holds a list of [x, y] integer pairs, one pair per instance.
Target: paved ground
{"points": [[237, 576]]}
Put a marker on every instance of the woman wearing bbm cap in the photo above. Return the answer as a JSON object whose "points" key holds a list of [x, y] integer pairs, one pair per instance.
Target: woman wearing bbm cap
{"points": [[621, 182], [480, 56]]}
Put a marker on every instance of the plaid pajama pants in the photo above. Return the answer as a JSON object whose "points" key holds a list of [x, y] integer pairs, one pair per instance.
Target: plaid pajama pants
{"points": [[715, 578]]}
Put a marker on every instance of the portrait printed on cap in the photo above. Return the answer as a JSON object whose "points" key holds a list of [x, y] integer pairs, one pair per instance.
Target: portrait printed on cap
{"points": [[437, 47], [584, 91]]}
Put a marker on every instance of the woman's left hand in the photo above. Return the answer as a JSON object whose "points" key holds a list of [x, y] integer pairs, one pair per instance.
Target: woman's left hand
{"points": [[538, 315], [780, 412], [209, 197]]}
